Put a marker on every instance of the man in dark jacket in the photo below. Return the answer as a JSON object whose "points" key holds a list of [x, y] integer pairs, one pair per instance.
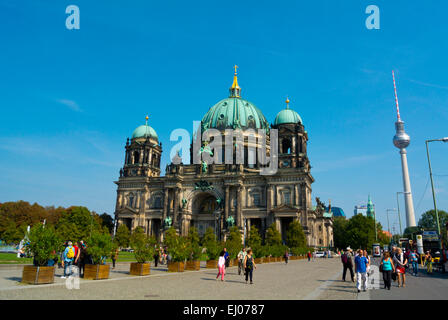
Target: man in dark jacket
{"points": [[347, 263]]}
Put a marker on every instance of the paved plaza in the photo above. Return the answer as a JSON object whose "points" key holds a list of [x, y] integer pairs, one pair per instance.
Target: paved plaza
{"points": [[297, 280]]}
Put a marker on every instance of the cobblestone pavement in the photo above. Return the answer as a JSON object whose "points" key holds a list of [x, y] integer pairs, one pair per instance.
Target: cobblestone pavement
{"points": [[299, 279]]}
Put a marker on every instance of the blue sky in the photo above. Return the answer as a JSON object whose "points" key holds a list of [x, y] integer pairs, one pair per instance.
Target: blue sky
{"points": [[70, 98]]}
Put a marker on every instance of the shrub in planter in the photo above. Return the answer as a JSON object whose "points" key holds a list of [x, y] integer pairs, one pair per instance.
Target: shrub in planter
{"points": [[178, 249], [213, 248], [143, 247], [233, 244], [194, 250], [99, 247], [43, 245]]}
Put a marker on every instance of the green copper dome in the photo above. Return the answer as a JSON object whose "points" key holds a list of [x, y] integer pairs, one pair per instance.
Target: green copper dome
{"points": [[233, 113], [287, 116], [143, 131]]}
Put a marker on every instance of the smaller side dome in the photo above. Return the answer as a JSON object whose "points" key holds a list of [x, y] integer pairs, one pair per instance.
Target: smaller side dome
{"points": [[144, 131], [287, 115]]}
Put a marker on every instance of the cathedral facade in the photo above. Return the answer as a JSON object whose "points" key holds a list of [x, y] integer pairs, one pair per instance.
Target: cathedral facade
{"points": [[220, 194]]}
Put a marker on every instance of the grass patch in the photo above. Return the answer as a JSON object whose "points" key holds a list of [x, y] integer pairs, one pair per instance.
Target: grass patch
{"points": [[11, 258]]}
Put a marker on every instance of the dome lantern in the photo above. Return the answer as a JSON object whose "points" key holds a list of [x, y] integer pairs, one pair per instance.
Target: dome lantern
{"points": [[235, 90]]}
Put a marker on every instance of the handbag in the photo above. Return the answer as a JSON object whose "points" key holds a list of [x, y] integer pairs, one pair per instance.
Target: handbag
{"points": [[394, 276], [381, 268]]}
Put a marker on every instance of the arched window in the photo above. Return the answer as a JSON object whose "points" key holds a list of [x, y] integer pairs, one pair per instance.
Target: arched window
{"points": [[136, 157], [286, 195], [256, 199], [131, 199], [286, 145], [157, 202]]}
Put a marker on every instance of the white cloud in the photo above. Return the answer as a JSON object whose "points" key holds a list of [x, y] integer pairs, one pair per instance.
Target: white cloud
{"points": [[70, 104]]}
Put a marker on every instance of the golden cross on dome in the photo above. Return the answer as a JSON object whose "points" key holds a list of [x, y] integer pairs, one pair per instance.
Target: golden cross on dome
{"points": [[287, 102], [146, 120], [235, 67]]}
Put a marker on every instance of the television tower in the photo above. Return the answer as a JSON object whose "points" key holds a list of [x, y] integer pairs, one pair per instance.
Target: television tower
{"points": [[401, 141]]}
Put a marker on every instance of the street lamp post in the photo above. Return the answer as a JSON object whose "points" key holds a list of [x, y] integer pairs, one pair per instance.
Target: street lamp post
{"points": [[387, 213], [432, 186]]}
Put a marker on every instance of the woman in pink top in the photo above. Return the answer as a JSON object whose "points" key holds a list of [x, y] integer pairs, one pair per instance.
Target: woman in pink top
{"points": [[221, 266]]}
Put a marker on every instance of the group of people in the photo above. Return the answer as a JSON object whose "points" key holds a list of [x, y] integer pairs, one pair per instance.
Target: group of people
{"points": [[393, 266], [246, 263], [362, 267], [74, 255]]}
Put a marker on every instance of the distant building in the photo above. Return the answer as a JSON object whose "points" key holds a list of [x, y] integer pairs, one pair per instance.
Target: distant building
{"points": [[366, 210], [337, 212]]}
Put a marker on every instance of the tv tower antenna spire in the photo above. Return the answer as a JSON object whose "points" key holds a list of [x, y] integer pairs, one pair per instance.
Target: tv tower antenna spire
{"points": [[396, 97], [401, 141]]}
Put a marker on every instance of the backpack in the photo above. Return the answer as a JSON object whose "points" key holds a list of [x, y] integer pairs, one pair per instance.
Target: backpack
{"points": [[249, 264], [70, 253], [344, 258]]}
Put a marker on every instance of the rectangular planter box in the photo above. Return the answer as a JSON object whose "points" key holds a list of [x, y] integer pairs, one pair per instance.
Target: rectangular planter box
{"points": [[278, 259], [140, 269], [235, 262], [176, 267], [258, 260], [193, 265], [37, 275], [96, 271], [212, 264]]}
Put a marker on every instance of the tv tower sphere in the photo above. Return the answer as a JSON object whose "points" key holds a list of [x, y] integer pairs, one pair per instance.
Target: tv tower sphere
{"points": [[401, 138]]}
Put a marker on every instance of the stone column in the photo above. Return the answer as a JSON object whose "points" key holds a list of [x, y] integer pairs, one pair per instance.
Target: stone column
{"points": [[165, 205], [293, 145], [296, 193], [149, 233], [269, 199], [239, 204], [227, 203], [176, 207]]}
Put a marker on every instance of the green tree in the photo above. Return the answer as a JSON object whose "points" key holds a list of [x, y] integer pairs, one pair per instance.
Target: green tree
{"points": [[428, 221], [360, 232], [295, 237], [340, 232], [99, 246], [44, 243], [194, 247], [78, 223], [213, 247], [273, 236], [107, 221], [142, 245], [254, 242], [233, 242], [177, 245], [122, 236]]}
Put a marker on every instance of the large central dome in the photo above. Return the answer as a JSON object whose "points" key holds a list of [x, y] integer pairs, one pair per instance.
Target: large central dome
{"points": [[234, 113]]}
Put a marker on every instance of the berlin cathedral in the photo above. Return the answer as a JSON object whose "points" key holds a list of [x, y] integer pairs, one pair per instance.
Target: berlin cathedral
{"points": [[220, 195]]}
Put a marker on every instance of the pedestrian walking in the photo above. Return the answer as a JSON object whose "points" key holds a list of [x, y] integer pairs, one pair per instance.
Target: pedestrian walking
{"points": [[221, 265], [428, 262], [249, 265], [413, 257], [114, 256], [400, 262], [241, 256], [361, 264], [286, 256], [309, 256], [387, 267], [367, 269], [156, 256], [347, 264], [69, 256], [226, 257], [314, 256]]}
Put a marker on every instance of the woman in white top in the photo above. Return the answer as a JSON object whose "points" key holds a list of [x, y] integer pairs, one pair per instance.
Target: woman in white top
{"points": [[221, 266]]}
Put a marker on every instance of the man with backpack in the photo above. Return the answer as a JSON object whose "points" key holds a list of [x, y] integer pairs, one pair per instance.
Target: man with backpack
{"points": [[67, 261], [346, 259]]}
